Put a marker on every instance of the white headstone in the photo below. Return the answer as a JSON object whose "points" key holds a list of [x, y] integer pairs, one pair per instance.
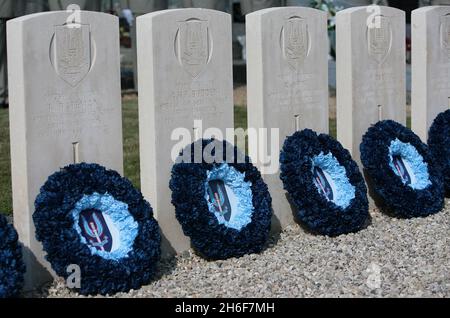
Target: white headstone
{"points": [[430, 66], [185, 74], [371, 71], [64, 84], [287, 76]]}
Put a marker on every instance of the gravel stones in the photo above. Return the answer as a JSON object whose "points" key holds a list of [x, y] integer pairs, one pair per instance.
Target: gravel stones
{"points": [[391, 258]]}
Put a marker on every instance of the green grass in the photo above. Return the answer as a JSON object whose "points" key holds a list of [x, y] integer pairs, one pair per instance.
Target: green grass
{"points": [[240, 117], [5, 164], [131, 142], [131, 147]]}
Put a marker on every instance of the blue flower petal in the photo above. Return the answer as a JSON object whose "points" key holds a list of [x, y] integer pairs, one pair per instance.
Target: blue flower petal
{"points": [[345, 192], [67, 193], [439, 143], [241, 189], [406, 201], [12, 268], [410, 154], [120, 216], [211, 238], [349, 211]]}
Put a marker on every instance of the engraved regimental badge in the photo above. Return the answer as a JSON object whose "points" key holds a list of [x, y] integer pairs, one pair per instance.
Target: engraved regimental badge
{"points": [[445, 35], [193, 46], [295, 41], [379, 39], [72, 52]]}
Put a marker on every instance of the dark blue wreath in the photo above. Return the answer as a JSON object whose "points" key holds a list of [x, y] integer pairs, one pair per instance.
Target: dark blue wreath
{"points": [[59, 204], [211, 236], [439, 143], [399, 195], [348, 211], [12, 268]]}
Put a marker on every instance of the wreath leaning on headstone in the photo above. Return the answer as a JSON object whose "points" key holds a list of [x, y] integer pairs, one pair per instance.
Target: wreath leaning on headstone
{"points": [[324, 184], [12, 268], [403, 170], [93, 218], [439, 143], [223, 205]]}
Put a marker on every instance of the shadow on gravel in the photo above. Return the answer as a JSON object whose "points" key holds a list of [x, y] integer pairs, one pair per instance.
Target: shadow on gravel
{"points": [[307, 230], [165, 268], [41, 292]]}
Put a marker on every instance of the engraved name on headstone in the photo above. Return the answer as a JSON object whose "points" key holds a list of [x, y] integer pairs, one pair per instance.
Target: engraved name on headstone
{"points": [[371, 68], [64, 90], [430, 66], [185, 75], [287, 74]]}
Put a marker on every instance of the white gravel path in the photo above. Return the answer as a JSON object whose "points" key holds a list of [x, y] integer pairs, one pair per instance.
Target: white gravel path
{"points": [[391, 258]]}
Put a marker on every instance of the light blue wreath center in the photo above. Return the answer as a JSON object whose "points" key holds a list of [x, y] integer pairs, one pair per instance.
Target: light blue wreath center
{"points": [[343, 191], [410, 155], [242, 192], [117, 211]]}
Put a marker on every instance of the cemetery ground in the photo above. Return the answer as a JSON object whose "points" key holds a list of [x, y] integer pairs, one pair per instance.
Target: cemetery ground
{"points": [[130, 141], [391, 258]]}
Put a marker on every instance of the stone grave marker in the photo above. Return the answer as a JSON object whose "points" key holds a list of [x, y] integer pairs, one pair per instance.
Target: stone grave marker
{"points": [[371, 71], [430, 66], [65, 105], [287, 86], [185, 75]]}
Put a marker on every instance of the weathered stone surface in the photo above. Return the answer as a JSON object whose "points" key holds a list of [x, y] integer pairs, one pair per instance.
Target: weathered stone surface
{"points": [[185, 74], [371, 68], [64, 89], [287, 83], [430, 66]]}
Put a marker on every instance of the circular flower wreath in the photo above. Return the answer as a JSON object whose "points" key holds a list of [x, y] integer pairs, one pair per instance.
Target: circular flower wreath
{"points": [[93, 218], [12, 267], [324, 184], [402, 170], [225, 208], [439, 143]]}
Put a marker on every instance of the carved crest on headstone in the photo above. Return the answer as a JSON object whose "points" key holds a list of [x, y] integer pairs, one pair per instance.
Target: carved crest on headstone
{"points": [[379, 39], [192, 46], [445, 34], [72, 52], [295, 41]]}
